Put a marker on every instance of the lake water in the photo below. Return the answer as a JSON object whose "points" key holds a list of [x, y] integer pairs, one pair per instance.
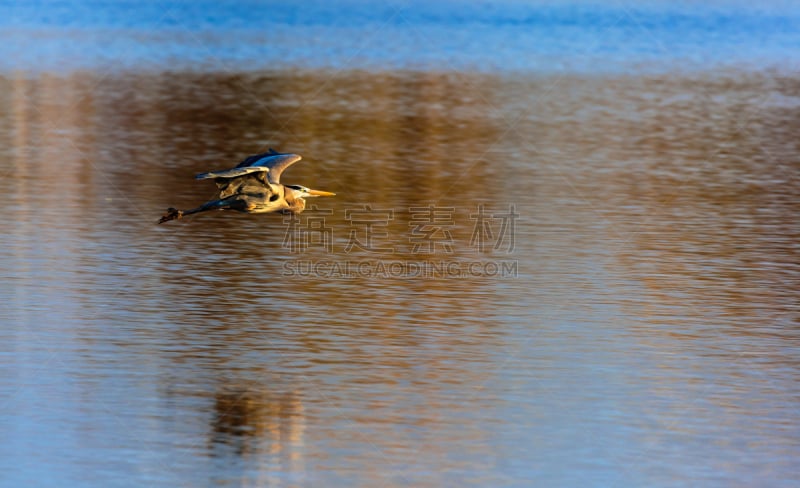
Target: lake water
{"points": [[563, 252]]}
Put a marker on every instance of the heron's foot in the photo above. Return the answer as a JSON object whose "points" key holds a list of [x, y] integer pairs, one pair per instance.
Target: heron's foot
{"points": [[172, 214]]}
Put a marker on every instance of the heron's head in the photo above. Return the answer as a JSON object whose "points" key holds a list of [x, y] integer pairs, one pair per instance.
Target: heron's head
{"points": [[303, 192]]}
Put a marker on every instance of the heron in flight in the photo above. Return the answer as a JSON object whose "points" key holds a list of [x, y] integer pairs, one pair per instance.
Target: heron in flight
{"points": [[254, 186]]}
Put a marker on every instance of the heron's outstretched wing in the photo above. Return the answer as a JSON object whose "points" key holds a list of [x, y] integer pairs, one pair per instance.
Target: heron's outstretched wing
{"points": [[272, 162], [252, 160], [275, 161], [232, 173], [278, 164]]}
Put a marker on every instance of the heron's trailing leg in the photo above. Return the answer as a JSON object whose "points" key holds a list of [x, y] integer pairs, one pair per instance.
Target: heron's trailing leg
{"points": [[174, 213]]}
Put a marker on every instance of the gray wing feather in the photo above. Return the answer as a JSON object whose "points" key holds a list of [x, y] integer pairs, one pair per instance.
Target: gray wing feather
{"points": [[255, 158], [277, 164], [232, 173], [272, 162]]}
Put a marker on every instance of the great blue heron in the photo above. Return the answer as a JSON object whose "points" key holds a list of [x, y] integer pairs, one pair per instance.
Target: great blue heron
{"points": [[253, 186]]}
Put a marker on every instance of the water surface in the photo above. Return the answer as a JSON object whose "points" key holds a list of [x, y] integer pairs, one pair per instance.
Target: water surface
{"points": [[637, 326]]}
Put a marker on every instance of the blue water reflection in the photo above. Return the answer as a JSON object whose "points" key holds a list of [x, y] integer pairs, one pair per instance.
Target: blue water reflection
{"points": [[484, 36]]}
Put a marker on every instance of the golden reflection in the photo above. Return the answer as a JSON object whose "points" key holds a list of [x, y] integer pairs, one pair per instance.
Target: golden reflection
{"points": [[652, 177], [659, 159], [118, 149], [713, 210]]}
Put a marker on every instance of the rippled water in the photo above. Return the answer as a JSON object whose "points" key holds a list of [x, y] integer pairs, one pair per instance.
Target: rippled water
{"points": [[649, 335], [610, 296], [539, 36]]}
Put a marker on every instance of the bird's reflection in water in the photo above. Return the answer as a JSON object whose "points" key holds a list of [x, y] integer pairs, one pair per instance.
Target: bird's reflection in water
{"points": [[262, 428]]}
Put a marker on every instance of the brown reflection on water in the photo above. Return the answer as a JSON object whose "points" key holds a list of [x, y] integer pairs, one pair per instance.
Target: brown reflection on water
{"points": [[670, 201], [685, 169], [692, 182], [717, 201], [96, 159]]}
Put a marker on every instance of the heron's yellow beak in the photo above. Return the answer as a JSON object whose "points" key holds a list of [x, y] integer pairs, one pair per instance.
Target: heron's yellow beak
{"points": [[320, 193]]}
